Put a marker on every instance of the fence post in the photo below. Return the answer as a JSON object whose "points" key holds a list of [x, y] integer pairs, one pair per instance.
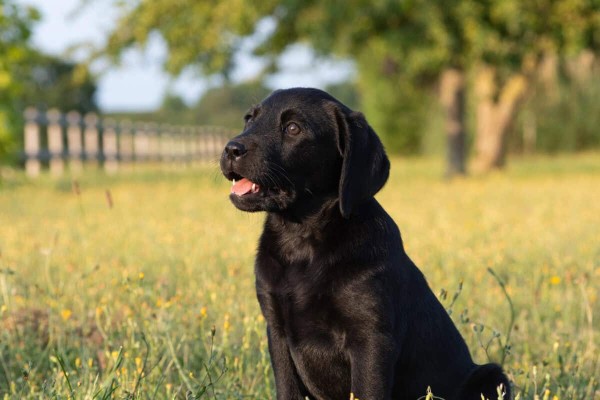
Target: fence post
{"points": [[125, 142], [90, 138], [165, 138], [179, 131], [109, 146], [153, 141], [173, 145], [74, 141], [32, 142], [170, 144], [55, 142], [201, 143], [140, 143], [190, 155]]}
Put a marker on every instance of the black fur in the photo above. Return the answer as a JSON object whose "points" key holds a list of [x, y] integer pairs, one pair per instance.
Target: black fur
{"points": [[347, 311]]}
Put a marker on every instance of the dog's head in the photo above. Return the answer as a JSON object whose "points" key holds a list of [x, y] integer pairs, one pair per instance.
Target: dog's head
{"points": [[302, 145]]}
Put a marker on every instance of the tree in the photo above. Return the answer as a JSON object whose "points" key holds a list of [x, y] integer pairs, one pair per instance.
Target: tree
{"points": [[30, 78], [522, 35], [226, 105], [402, 50], [52, 82], [222, 106], [498, 42], [15, 50], [346, 92], [207, 35], [173, 103]]}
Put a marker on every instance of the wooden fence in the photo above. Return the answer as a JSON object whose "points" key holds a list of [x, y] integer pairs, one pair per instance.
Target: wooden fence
{"points": [[73, 141]]}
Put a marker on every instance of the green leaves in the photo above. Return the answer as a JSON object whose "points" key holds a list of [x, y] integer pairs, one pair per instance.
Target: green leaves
{"points": [[29, 78], [392, 41], [15, 30], [203, 35]]}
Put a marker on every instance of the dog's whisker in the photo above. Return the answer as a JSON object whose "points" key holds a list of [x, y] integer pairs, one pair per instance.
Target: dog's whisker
{"points": [[275, 179], [280, 172], [269, 177]]}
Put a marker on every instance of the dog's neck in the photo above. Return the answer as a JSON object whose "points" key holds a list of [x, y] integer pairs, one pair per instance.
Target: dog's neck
{"points": [[294, 236], [313, 215]]}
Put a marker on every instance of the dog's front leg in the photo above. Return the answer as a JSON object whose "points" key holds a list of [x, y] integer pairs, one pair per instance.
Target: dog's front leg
{"points": [[287, 382], [372, 363]]}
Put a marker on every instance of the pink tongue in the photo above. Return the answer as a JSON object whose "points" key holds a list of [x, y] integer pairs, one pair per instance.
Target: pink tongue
{"points": [[242, 187]]}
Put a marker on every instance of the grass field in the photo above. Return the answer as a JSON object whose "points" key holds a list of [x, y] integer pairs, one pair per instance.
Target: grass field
{"points": [[149, 294]]}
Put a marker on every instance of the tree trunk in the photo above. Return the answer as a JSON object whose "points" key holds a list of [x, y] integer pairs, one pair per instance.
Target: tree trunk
{"points": [[496, 110], [452, 97]]}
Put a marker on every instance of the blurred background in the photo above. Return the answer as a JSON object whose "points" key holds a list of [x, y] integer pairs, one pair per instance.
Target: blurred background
{"points": [[474, 81]]}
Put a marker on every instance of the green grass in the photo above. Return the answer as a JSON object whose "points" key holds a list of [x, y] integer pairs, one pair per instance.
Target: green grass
{"points": [[101, 302]]}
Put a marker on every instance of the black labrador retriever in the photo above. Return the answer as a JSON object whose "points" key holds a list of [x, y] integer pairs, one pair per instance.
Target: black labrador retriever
{"points": [[347, 310]]}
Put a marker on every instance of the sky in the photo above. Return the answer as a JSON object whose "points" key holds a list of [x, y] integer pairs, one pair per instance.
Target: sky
{"points": [[139, 83]]}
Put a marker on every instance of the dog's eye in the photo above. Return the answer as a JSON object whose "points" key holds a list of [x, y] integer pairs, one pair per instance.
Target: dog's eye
{"points": [[247, 118], [292, 128]]}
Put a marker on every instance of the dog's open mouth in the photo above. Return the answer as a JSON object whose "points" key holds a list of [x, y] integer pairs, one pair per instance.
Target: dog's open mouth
{"points": [[244, 186], [253, 194]]}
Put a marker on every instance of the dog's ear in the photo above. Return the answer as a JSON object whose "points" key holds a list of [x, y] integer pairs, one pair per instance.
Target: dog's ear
{"points": [[365, 166]]}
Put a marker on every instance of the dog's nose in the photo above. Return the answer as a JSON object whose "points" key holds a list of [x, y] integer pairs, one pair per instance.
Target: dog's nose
{"points": [[235, 150]]}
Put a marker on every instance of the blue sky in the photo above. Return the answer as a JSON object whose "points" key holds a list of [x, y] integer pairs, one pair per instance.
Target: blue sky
{"points": [[139, 83]]}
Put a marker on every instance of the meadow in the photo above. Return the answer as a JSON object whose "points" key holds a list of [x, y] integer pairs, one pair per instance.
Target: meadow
{"points": [[140, 285]]}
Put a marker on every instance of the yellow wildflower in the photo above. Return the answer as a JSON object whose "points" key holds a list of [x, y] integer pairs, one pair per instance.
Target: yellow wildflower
{"points": [[66, 314]]}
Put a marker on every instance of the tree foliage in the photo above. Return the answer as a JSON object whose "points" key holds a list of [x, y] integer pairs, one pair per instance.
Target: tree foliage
{"points": [[400, 47], [201, 34], [225, 106], [52, 82], [15, 31], [30, 78]]}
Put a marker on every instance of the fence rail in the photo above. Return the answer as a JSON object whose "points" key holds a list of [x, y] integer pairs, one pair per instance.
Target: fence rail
{"points": [[71, 141]]}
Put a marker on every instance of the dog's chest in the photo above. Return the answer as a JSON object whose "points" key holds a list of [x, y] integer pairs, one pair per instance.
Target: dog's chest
{"points": [[301, 249], [306, 310], [303, 301], [316, 340], [299, 297]]}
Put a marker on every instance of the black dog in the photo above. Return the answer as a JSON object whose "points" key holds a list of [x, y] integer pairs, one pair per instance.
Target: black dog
{"points": [[347, 311]]}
